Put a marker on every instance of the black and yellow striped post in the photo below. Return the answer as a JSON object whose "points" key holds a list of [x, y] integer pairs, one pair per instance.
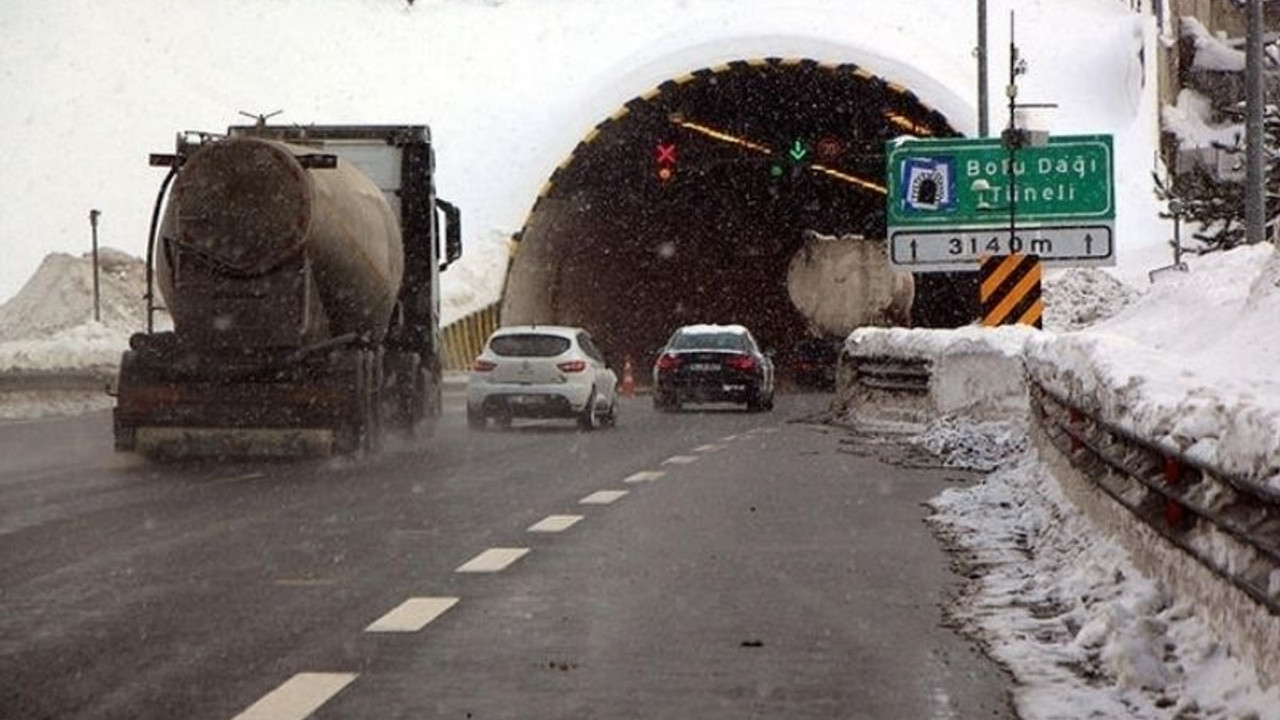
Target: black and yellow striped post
{"points": [[1009, 290]]}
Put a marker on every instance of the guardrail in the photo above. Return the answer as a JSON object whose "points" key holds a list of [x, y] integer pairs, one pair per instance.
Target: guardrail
{"points": [[890, 373], [1230, 524], [56, 380]]}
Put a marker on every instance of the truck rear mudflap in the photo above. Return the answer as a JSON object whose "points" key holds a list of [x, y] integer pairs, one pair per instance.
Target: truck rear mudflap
{"points": [[320, 407], [195, 442]]}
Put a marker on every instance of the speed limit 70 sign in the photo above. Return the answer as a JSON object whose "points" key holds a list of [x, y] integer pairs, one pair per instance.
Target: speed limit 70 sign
{"points": [[953, 250]]}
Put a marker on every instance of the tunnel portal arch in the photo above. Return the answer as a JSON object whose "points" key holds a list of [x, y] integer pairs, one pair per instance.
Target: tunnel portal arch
{"points": [[688, 203]]}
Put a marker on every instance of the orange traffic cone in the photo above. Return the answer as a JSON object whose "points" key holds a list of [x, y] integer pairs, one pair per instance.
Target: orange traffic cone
{"points": [[628, 378]]}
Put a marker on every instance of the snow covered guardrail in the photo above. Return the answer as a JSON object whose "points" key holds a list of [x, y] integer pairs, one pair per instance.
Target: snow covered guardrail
{"points": [[890, 373], [1231, 525], [902, 375]]}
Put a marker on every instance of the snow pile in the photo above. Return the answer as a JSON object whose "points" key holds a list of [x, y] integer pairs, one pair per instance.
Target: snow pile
{"points": [[1192, 121], [1190, 363], [49, 325], [1080, 297], [60, 296], [1211, 53], [1084, 634], [962, 443]]}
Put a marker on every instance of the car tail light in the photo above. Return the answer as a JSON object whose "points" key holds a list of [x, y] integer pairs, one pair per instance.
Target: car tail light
{"points": [[741, 362], [573, 366], [669, 362], [481, 365]]}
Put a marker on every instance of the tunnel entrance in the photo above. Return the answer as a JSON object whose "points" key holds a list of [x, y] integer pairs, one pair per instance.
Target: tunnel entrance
{"points": [[689, 203]]}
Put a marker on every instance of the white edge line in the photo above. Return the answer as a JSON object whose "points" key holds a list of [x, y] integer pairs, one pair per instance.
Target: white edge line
{"points": [[297, 697]]}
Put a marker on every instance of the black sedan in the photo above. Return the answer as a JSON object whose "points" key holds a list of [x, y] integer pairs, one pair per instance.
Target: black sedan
{"points": [[712, 363]]}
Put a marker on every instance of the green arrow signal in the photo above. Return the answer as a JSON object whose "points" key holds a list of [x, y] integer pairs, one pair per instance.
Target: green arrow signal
{"points": [[798, 151]]}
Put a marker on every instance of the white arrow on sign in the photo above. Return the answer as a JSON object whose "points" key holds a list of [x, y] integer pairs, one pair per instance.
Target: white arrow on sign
{"points": [[963, 249]]}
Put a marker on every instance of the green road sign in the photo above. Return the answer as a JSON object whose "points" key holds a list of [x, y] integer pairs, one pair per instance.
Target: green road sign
{"points": [[965, 183], [954, 200]]}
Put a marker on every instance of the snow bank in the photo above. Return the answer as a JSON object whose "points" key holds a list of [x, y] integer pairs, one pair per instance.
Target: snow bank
{"points": [[1211, 53], [1190, 363], [1063, 607], [49, 325]]}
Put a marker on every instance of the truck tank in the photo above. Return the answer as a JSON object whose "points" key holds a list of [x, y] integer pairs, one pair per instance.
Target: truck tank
{"points": [[301, 267], [258, 250]]}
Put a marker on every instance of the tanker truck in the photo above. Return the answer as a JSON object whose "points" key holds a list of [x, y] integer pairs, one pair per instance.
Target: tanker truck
{"points": [[300, 267]]}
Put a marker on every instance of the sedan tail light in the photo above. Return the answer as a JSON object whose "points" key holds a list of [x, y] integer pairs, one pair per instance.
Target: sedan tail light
{"points": [[741, 362], [668, 361], [481, 365], [573, 366]]}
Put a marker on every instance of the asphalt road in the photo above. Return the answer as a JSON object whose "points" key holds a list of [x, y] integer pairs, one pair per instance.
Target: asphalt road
{"points": [[722, 565]]}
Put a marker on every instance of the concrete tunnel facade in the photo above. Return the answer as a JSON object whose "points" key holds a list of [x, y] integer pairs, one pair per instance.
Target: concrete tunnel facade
{"points": [[689, 203]]}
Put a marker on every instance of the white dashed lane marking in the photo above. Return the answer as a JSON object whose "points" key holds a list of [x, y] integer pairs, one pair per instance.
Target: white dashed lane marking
{"points": [[554, 523], [708, 448], [298, 697], [680, 460], [602, 497], [493, 560], [413, 614], [728, 438], [645, 476]]}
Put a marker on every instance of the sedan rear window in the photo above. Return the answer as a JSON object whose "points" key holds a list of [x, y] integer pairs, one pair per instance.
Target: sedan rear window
{"points": [[529, 345], [709, 341]]}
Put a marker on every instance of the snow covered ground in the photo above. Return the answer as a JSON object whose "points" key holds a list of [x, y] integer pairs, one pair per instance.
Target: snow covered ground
{"points": [[1054, 596], [1061, 605]]}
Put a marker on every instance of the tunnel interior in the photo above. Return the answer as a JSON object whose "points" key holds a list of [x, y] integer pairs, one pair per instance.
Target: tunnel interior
{"points": [[688, 204]]}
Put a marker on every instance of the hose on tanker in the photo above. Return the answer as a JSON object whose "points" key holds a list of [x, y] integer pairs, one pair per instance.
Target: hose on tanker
{"points": [[151, 246]]}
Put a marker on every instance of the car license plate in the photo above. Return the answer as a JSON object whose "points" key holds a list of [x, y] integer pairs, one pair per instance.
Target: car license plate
{"points": [[704, 367], [525, 399]]}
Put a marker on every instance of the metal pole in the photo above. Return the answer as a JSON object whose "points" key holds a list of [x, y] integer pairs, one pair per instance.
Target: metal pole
{"points": [[984, 127], [1255, 203], [97, 304], [1012, 92]]}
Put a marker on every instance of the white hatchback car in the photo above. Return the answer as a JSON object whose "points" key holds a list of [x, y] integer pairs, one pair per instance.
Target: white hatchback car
{"points": [[541, 371]]}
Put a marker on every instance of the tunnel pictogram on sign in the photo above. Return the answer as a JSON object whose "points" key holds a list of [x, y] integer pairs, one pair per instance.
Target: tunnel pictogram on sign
{"points": [[1009, 290]]}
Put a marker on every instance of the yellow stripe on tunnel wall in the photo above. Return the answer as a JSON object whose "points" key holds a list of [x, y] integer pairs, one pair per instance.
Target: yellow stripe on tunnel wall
{"points": [[463, 339]]}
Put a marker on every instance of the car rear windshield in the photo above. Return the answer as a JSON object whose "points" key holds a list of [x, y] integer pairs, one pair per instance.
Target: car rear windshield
{"points": [[529, 345], [709, 341]]}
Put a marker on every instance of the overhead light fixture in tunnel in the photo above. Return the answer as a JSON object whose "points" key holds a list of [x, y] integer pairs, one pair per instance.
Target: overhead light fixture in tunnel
{"points": [[724, 136], [851, 179], [908, 124], [797, 153]]}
